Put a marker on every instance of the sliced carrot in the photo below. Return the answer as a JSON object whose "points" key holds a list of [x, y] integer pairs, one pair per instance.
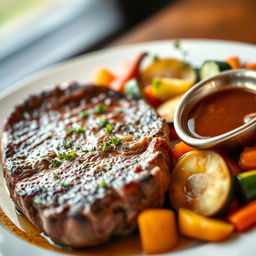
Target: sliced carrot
{"points": [[103, 76], [247, 159], [148, 93], [250, 66], [245, 217], [180, 149], [131, 72], [234, 62]]}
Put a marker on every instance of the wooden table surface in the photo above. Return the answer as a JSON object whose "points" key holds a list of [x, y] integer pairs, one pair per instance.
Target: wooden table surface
{"points": [[212, 19]]}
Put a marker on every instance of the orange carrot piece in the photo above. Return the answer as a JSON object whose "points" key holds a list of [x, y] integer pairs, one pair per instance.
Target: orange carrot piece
{"points": [[180, 149], [131, 72], [234, 62], [247, 159], [103, 76], [250, 66], [148, 93], [244, 218]]}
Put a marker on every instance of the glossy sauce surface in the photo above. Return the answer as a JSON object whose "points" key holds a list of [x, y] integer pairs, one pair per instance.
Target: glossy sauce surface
{"points": [[221, 112]]}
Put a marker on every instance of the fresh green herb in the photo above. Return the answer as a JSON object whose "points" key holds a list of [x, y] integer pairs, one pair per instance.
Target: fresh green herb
{"points": [[58, 147], [115, 141], [66, 144], [103, 122], [69, 132], [55, 162], [38, 201], [77, 130], [156, 83], [100, 109], [104, 184], [112, 141], [107, 167], [109, 128], [177, 44], [84, 114], [55, 175], [66, 184], [68, 156], [156, 58]]}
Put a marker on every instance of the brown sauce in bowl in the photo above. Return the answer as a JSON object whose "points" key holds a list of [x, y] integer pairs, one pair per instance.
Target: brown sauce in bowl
{"points": [[221, 112]]}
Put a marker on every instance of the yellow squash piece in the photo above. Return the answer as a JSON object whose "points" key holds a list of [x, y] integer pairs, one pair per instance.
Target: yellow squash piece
{"points": [[203, 228], [167, 109], [169, 77], [157, 230], [166, 88]]}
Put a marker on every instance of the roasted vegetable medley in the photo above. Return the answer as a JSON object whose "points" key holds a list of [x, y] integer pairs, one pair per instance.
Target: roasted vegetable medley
{"points": [[212, 194]]}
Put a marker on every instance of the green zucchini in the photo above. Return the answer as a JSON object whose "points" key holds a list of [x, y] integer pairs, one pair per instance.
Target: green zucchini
{"points": [[132, 88], [247, 185], [202, 182], [211, 68]]}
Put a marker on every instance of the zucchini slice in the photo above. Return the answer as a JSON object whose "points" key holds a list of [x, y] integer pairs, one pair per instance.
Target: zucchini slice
{"points": [[247, 185], [202, 182], [211, 68]]}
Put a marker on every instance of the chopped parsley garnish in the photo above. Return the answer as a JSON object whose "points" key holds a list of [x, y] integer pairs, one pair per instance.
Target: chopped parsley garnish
{"points": [[112, 141], [99, 109], [66, 183], [103, 122], [55, 162], [38, 201], [68, 156], [107, 167], [109, 128], [177, 44], [84, 114], [155, 58], [156, 83], [55, 175], [104, 184], [66, 144], [77, 130]]}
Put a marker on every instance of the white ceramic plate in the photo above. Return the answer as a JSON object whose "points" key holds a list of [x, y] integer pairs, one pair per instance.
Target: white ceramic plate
{"points": [[81, 69]]}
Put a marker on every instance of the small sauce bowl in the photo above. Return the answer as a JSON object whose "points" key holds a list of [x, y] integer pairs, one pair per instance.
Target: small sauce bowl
{"points": [[242, 135]]}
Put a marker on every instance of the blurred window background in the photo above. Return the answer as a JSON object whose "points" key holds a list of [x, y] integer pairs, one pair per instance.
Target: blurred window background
{"points": [[37, 33]]}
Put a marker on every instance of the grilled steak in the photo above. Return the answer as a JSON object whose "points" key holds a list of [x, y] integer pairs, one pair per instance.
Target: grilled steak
{"points": [[81, 163]]}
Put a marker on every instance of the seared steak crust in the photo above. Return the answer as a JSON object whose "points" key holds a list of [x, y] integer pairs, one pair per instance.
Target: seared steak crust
{"points": [[82, 162]]}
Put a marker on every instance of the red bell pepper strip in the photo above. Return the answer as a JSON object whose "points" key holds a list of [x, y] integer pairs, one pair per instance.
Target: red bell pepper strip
{"points": [[132, 72]]}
